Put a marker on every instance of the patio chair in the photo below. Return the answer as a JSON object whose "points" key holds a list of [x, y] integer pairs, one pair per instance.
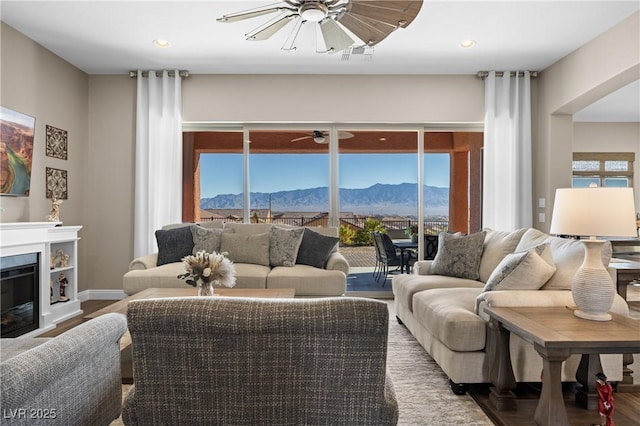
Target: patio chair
{"points": [[241, 361], [430, 247], [389, 256]]}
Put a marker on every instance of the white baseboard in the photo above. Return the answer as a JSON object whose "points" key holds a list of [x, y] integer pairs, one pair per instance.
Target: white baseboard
{"points": [[83, 296]]}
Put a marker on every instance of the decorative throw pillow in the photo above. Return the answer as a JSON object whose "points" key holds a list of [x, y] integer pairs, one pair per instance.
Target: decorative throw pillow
{"points": [[207, 239], [458, 256], [284, 245], [526, 270], [246, 248], [315, 248], [173, 244]]}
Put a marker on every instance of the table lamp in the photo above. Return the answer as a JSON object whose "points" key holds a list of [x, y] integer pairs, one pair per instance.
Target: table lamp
{"points": [[603, 212]]}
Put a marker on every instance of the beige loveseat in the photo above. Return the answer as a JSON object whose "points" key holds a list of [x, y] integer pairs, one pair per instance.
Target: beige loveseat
{"points": [[316, 268], [445, 313]]}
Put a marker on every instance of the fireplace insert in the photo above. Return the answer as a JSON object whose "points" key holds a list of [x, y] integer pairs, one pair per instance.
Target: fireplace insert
{"points": [[20, 294]]}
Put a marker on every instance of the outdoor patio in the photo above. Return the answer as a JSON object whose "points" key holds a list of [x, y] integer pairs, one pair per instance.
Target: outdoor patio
{"points": [[362, 261]]}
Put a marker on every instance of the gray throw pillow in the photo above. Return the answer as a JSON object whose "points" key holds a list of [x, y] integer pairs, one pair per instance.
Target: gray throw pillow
{"points": [[458, 256], [173, 244], [315, 248], [246, 248], [207, 239], [283, 246]]}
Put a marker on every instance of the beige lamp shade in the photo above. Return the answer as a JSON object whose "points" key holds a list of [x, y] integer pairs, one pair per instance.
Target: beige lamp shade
{"points": [[604, 212]]}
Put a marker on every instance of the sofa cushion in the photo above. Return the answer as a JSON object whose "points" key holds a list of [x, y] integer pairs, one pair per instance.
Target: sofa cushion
{"points": [[497, 244], [249, 275], [249, 228], [284, 245], [526, 270], [207, 239], [405, 286], [458, 256], [448, 314], [567, 254], [246, 248], [315, 248], [308, 280], [174, 244]]}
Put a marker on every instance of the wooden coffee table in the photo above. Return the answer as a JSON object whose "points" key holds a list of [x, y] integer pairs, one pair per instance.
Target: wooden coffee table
{"points": [[120, 306], [156, 293], [555, 334]]}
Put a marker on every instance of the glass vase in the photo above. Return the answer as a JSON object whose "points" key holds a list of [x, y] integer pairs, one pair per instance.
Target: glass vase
{"points": [[205, 289]]}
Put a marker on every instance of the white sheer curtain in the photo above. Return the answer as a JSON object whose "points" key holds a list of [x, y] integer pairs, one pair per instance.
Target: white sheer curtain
{"points": [[158, 193], [507, 185]]}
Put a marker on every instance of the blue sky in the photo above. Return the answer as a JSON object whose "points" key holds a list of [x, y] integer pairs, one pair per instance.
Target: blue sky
{"points": [[222, 173]]}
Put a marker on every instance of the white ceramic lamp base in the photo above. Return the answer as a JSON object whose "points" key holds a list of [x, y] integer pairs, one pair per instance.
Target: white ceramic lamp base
{"points": [[592, 287]]}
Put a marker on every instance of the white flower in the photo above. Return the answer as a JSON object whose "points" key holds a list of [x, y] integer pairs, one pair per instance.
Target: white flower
{"points": [[203, 267]]}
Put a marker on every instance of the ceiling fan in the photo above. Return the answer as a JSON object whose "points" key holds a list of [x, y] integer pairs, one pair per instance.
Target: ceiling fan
{"points": [[321, 137], [369, 21]]}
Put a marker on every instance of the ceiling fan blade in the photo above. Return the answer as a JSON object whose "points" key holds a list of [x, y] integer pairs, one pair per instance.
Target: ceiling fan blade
{"points": [[345, 135], [369, 31], [264, 33], [392, 12], [252, 13], [301, 139], [335, 38]]}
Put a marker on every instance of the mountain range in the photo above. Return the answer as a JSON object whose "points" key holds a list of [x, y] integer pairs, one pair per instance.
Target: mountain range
{"points": [[378, 199]]}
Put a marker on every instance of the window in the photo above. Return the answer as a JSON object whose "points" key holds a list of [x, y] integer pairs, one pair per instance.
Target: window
{"points": [[609, 169]]}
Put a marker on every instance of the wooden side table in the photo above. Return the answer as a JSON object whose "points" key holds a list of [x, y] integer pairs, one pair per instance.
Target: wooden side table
{"points": [[556, 334]]}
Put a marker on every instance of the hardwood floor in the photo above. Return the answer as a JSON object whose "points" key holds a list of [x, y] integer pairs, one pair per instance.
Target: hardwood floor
{"points": [[627, 405]]}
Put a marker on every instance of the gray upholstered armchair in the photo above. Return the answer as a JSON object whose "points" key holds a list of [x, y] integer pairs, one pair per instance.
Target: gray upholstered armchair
{"points": [[71, 379], [239, 361]]}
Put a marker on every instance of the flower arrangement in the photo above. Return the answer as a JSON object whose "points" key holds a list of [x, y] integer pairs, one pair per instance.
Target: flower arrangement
{"points": [[204, 269]]}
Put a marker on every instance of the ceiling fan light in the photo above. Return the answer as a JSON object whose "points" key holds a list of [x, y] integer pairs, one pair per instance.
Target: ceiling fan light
{"points": [[313, 11], [318, 139]]}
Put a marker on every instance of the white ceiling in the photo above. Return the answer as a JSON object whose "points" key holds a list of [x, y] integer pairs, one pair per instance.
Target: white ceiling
{"points": [[113, 37]]}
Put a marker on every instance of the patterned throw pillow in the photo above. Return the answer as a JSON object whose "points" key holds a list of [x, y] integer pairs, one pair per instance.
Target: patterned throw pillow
{"points": [[173, 244], [315, 248], [526, 270], [283, 245], [207, 239], [458, 256]]}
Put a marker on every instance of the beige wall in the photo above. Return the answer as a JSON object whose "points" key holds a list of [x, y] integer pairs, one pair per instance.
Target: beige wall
{"points": [[334, 98], [610, 137], [38, 83], [596, 69]]}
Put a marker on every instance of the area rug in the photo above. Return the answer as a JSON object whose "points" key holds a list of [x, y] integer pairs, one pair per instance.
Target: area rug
{"points": [[422, 389]]}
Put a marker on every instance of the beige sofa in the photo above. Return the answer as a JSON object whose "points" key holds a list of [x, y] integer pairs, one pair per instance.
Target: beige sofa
{"points": [[249, 247], [445, 313]]}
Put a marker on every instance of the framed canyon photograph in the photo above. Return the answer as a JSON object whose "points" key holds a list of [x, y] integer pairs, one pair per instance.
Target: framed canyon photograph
{"points": [[16, 152]]}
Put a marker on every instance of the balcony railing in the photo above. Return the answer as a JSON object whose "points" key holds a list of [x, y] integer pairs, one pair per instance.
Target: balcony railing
{"points": [[430, 226]]}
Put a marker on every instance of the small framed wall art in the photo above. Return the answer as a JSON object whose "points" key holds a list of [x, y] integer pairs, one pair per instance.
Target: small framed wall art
{"points": [[56, 141], [56, 183], [16, 152]]}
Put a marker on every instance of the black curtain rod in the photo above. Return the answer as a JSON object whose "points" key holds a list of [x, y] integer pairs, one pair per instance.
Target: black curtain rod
{"points": [[181, 73]]}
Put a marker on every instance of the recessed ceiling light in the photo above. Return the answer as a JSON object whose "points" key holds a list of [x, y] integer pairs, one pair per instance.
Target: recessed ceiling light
{"points": [[161, 43], [466, 44]]}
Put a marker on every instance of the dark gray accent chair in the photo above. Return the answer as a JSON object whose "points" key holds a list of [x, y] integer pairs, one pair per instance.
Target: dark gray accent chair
{"points": [[71, 379], [219, 361]]}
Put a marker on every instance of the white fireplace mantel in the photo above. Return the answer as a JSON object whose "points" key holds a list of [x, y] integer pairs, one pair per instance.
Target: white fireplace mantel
{"points": [[38, 237]]}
